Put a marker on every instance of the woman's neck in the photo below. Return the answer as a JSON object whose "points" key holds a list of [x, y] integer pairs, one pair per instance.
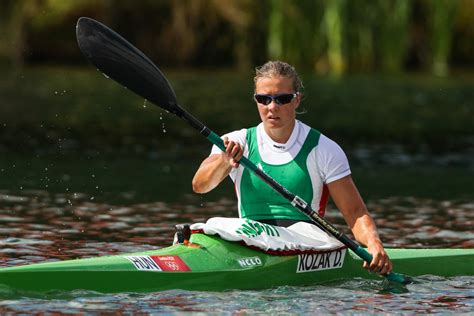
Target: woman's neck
{"points": [[280, 135]]}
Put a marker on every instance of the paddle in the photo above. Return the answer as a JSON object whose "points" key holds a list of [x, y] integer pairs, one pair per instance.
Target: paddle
{"points": [[118, 59]]}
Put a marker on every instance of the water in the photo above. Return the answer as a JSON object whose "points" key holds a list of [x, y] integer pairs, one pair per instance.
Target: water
{"points": [[431, 295], [39, 223]]}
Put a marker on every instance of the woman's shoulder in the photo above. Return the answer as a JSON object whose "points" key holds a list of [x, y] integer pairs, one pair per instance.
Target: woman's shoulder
{"points": [[329, 150], [324, 141]]}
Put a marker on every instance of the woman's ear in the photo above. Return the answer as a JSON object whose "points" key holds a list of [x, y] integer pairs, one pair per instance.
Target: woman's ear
{"points": [[299, 97]]}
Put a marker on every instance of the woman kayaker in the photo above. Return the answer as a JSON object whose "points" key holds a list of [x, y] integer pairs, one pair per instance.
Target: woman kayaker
{"points": [[299, 157]]}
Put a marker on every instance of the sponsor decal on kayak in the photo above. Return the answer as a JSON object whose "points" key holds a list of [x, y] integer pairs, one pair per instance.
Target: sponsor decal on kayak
{"points": [[144, 263], [321, 261], [253, 229], [171, 263], [158, 263], [250, 262]]}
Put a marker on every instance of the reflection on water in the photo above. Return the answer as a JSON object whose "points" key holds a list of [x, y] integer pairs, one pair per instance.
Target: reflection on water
{"points": [[40, 226], [415, 223]]}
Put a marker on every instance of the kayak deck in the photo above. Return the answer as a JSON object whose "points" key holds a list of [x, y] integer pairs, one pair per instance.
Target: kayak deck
{"points": [[212, 264]]}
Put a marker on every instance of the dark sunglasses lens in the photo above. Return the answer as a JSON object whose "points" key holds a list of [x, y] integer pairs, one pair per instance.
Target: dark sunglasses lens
{"points": [[263, 99], [284, 98]]}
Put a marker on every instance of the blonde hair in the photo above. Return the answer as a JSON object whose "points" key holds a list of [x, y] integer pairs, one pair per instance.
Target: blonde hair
{"points": [[278, 68]]}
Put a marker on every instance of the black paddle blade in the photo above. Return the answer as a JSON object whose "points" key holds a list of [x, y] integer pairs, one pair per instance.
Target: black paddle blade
{"points": [[115, 57]]}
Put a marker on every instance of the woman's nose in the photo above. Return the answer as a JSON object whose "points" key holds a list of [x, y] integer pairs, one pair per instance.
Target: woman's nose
{"points": [[272, 105]]}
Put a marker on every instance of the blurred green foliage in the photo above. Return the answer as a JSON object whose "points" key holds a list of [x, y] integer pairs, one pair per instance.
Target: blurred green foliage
{"points": [[327, 37]]}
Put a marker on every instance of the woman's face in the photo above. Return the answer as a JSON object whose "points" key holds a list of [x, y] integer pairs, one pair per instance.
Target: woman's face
{"points": [[277, 116]]}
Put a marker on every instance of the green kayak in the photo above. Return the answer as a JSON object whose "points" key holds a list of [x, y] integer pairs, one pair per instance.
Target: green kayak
{"points": [[213, 264]]}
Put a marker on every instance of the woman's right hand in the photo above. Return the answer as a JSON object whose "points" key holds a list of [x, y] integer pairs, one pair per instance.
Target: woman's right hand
{"points": [[233, 152], [217, 166]]}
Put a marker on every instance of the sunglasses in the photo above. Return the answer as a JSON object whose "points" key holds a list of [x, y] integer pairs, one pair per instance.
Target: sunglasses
{"points": [[279, 99]]}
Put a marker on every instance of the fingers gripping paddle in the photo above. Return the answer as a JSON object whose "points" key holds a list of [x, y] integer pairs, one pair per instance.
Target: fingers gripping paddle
{"points": [[118, 59]]}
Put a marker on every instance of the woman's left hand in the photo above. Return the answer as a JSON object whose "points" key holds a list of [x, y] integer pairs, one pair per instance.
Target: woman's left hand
{"points": [[380, 262]]}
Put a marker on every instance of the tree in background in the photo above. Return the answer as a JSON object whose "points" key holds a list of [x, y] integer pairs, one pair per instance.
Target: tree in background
{"points": [[363, 18], [337, 36], [276, 29], [13, 17], [20, 18], [335, 27], [393, 26], [442, 14], [328, 36], [188, 32], [240, 15]]}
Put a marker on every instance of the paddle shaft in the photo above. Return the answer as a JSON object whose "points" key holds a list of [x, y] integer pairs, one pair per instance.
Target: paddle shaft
{"points": [[295, 200]]}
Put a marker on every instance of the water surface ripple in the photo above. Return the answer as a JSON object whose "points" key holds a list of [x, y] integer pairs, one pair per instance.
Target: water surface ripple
{"points": [[37, 226]]}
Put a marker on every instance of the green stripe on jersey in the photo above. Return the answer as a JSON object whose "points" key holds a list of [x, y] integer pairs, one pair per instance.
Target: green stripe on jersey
{"points": [[260, 201]]}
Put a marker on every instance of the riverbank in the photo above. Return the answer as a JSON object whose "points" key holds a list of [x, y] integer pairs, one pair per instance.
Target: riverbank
{"points": [[76, 110]]}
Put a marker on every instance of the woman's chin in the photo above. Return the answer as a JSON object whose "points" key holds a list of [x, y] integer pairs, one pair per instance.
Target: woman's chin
{"points": [[273, 123]]}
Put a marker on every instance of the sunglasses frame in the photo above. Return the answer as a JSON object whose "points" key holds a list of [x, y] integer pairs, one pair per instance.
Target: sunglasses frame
{"points": [[274, 98]]}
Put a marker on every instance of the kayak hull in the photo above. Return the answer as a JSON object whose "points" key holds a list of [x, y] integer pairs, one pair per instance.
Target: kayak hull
{"points": [[209, 263]]}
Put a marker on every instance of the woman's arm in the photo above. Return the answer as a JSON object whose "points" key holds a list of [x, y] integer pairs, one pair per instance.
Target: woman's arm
{"points": [[348, 200], [216, 167]]}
